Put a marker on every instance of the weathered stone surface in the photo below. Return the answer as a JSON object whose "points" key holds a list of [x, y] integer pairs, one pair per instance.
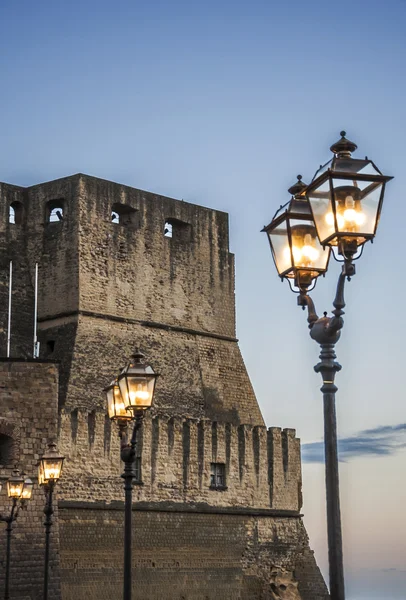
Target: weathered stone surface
{"points": [[104, 288]]}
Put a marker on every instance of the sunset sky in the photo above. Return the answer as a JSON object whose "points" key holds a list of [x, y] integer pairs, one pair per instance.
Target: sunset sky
{"points": [[222, 103]]}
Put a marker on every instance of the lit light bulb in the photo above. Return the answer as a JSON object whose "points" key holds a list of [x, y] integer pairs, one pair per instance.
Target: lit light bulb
{"points": [[352, 216], [139, 395], [329, 218]]}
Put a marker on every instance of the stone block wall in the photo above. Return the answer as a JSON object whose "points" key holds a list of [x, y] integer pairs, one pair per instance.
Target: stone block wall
{"points": [[29, 416]]}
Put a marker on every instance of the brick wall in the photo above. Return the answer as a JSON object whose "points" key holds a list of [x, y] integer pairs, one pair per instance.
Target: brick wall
{"points": [[183, 555]]}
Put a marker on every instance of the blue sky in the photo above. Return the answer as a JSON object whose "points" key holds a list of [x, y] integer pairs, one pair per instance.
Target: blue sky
{"points": [[222, 104]]}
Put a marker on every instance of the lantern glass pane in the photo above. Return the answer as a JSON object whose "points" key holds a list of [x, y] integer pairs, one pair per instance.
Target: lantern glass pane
{"points": [[115, 405], [307, 251], [279, 240], [357, 204], [320, 201], [41, 479], [15, 488], [52, 468], [140, 391], [27, 489]]}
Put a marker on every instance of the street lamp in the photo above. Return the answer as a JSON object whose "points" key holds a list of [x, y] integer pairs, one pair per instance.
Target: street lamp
{"points": [[345, 201], [128, 396], [18, 488], [49, 472]]}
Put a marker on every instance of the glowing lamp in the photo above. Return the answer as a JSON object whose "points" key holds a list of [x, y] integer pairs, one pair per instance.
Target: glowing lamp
{"points": [[15, 485], [27, 489], [137, 384], [116, 408], [50, 466], [345, 197], [297, 252]]}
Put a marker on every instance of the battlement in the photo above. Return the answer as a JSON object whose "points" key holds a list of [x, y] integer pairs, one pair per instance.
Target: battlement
{"points": [[177, 458]]}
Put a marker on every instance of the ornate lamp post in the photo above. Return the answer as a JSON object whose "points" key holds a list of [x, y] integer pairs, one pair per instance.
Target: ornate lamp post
{"points": [[18, 488], [49, 472], [343, 203], [128, 396]]}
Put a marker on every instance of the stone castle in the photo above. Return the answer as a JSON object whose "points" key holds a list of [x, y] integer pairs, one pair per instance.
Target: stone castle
{"points": [[217, 496]]}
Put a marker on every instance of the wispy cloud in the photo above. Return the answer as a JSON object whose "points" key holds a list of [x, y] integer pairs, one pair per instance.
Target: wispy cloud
{"points": [[381, 441]]}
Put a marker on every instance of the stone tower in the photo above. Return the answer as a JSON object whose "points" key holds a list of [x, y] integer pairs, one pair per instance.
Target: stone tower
{"points": [[119, 268]]}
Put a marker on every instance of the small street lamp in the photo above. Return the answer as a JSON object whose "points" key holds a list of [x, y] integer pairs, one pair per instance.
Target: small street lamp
{"points": [[342, 205], [18, 489], [128, 397], [49, 472]]}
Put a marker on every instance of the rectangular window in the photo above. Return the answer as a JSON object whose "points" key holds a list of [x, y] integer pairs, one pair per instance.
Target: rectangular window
{"points": [[218, 476], [137, 470]]}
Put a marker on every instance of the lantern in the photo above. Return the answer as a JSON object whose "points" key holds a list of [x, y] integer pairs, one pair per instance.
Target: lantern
{"points": [[115, 405], [292, 235], [346, 196], [50, 466], [137, 384], [15, 485], [27, 489]]}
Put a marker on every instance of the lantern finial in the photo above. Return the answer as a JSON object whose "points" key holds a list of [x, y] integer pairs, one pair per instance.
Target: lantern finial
{"points": [[297, 188], [138, 356], [343, 147]]}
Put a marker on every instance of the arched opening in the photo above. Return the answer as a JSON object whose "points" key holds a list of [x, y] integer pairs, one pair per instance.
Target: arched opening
{"points": [[122, 214], [16, 211], [54, 211], [6, 449]]}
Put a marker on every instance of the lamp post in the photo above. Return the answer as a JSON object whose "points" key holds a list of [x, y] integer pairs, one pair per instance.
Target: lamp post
{"points": [[342, 205], [128, 396], [18, 488], [49, 472]]}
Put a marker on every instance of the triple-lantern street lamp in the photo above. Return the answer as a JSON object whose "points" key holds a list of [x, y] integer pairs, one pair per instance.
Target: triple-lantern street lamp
{"points": [[337, 212], [129, 395], [19, 490]]}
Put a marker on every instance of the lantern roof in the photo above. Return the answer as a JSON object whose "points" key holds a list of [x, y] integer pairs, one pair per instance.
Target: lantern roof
{"points": [[343, 163], [297, 207]]}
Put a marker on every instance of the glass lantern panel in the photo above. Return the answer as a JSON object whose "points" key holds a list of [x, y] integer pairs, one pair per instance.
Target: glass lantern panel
{"points": [[320, 202], [52, 468], [140, 391], [15, 488], [115, 405], [279, 240], [357, 204], [308, 253], [41, 479], [27, 489]]}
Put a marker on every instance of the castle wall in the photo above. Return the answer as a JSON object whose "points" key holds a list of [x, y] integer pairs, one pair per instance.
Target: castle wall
{"points": [[29, 416], [184, 555], [106, 288], [132, 270]]}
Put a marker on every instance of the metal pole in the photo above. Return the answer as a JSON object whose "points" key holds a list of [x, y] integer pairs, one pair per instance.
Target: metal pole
{"points": [[10, 288], [326, 331], [128, 457], [328, 368], [9, 528], [48, 511]]}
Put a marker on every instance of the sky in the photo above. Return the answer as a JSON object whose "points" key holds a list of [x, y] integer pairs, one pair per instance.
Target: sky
{"points": [[222, 104]]}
